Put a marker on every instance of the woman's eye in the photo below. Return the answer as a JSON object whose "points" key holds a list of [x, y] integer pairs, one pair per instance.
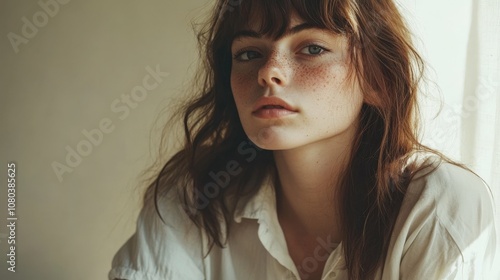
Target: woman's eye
{"points": [[313, 50], [246, 55]]}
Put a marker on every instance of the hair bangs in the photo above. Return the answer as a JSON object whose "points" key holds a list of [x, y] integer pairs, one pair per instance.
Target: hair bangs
{"points": [[273, 17], [270, 18]]}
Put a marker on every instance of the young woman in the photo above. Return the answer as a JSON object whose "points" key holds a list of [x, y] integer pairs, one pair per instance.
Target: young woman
{"points": [[301, 160]]}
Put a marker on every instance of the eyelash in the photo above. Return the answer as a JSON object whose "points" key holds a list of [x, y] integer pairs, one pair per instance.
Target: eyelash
{"points": [[323, 50]]}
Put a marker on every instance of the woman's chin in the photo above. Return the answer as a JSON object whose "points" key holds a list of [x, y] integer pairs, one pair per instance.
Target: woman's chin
{"points": [[273, 139]]}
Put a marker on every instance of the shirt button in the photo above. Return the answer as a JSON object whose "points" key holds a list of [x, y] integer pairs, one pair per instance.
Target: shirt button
{"points": [[333, 275]]}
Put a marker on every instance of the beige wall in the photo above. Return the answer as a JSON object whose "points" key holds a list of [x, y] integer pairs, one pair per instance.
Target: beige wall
{"points": [[61, 81]]}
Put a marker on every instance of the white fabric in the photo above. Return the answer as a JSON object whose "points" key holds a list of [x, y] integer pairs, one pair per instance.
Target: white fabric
{"points": [[460, 41], [445, 230]]}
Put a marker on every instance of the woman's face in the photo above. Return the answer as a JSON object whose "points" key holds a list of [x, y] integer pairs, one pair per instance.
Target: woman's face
{"points": [[293, 91]]}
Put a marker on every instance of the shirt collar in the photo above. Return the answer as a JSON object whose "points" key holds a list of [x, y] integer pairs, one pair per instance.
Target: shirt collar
{"points": [[258, 206], [262, 207]]}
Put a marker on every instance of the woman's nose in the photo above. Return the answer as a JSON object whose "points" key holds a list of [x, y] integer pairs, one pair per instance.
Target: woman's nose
{"points": [[274, 72]]}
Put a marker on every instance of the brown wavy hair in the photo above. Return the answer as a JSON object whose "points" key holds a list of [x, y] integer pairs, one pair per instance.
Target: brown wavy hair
{"points": [[379, 170]]}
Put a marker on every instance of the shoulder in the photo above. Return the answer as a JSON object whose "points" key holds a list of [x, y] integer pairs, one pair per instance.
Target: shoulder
{"points": [[452, 209], [446, 225], [169, 247], [452, 192]]}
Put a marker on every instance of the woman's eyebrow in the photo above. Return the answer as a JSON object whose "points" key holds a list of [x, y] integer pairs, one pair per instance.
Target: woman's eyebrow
{"points": [[296, 29]]}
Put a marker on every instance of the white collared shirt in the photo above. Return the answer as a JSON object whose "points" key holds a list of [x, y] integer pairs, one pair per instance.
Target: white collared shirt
{"points": [[445, 230]]}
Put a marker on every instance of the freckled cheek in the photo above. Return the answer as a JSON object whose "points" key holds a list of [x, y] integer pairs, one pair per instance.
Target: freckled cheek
{"points": [[241, 88], [326, 93], [241, 80], [317, 80]]}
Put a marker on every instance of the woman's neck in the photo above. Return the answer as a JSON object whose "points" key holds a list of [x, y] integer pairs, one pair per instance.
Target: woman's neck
{"points": [[308, 179]]}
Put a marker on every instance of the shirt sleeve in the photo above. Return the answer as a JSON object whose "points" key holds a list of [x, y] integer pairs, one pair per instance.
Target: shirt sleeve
{"points": [[451, 230], [158, 250]]}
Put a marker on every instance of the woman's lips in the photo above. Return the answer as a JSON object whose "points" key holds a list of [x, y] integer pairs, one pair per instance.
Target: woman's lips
{"points": [[271, 113], [272, 107]]}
